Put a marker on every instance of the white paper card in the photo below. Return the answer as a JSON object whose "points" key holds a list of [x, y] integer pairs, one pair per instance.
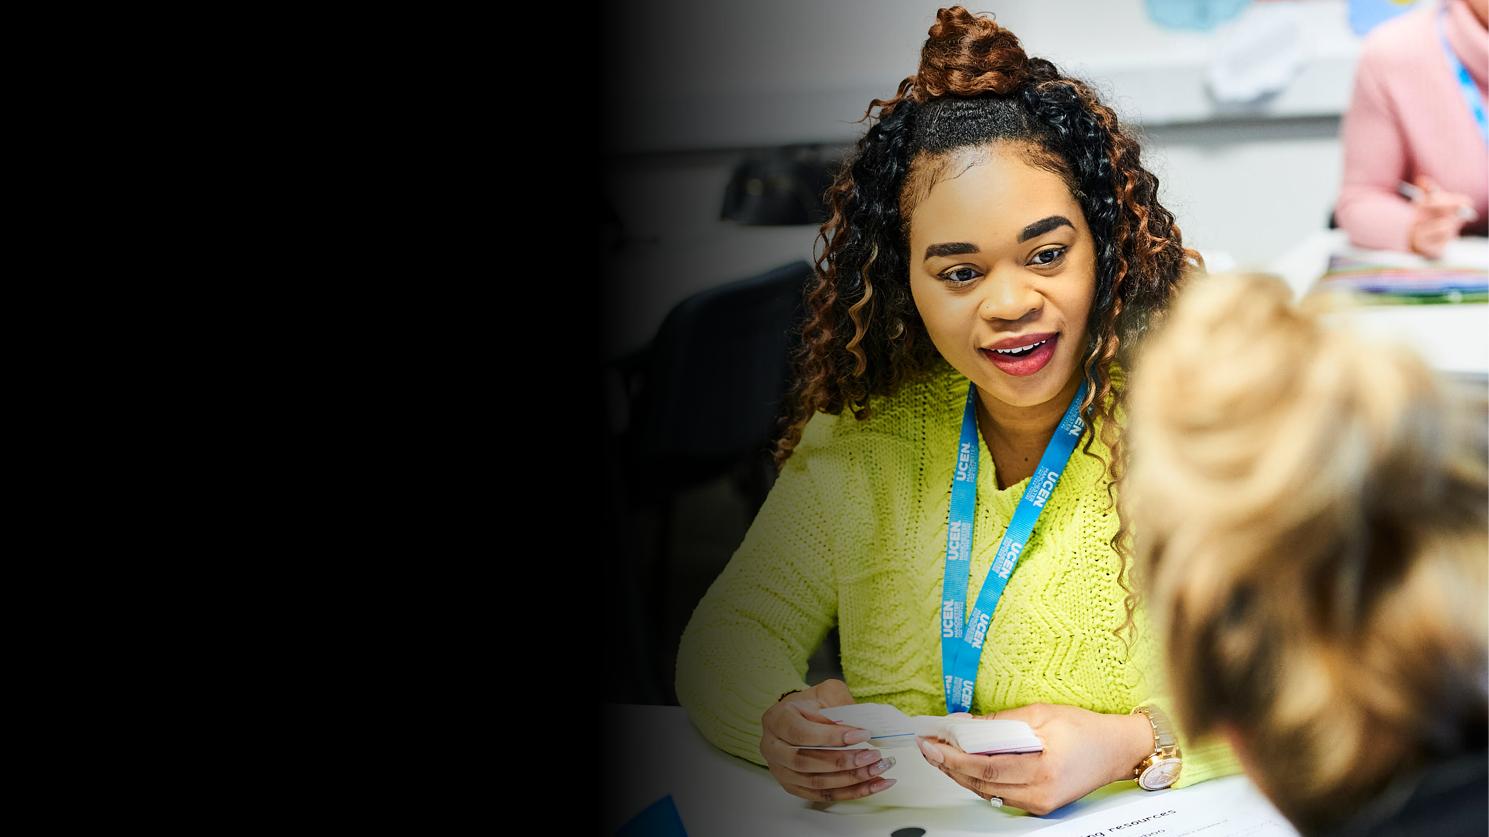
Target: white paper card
{"points": [[972, 735]]}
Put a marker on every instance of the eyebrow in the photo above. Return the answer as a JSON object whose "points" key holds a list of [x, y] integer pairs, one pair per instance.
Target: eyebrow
{"points": [[1044, 225], [959, 248]]}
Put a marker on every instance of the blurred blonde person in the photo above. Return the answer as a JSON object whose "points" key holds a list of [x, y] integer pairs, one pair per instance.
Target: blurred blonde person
{"points": [[1310, 519]]}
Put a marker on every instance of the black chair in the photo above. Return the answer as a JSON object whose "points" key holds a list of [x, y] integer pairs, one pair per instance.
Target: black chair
{"points": [[707, 396]]}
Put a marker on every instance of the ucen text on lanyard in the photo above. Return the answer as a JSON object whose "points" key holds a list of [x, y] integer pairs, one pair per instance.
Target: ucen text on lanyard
{"points": [[962, 638]]}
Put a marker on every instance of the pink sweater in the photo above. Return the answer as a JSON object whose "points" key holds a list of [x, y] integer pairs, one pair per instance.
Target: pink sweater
{"points": [[1408, 118]]}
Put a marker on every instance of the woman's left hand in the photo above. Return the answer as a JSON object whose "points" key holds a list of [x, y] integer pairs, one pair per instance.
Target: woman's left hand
{"points": [[1083, 750]]}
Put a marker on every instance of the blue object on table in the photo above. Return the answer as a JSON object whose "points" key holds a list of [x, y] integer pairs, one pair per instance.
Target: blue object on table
{"points": [[660, 819], [1365, 15], [1194, 14]]}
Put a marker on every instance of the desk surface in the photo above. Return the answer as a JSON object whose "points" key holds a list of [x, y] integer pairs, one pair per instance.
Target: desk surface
{"points": [[653, 751], [1451, 338]]}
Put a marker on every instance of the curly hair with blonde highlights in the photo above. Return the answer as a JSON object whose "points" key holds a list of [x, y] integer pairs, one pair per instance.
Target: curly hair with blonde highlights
{"points": [[862, 336]]}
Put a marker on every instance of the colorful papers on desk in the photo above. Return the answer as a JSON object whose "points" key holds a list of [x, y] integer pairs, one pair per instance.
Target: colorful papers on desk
{"points": [[1396, 284]]}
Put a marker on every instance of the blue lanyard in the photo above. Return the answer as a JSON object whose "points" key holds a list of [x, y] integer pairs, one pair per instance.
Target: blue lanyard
{"points": [[1465, 81], [962, 639]]}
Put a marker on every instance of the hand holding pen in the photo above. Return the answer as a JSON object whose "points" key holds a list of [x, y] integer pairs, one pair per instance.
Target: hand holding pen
{"points": [[1439, 216]]}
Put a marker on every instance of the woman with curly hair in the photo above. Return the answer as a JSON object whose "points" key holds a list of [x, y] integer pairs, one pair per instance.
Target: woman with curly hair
{"points": [[995, 251]]}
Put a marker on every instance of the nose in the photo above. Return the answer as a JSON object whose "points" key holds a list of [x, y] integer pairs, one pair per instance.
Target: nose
{"points": [[1009, 296]]}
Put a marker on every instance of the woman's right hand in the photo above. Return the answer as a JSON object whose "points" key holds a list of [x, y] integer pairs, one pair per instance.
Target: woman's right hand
{"points": [[1437, 221], [819, 775]]}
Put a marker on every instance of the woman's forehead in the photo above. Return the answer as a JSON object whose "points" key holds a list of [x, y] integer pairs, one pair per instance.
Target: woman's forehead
{"points": [[995, 191]]}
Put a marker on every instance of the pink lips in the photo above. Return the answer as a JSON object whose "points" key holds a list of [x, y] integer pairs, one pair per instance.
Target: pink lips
{"points": [[1026, 365]]}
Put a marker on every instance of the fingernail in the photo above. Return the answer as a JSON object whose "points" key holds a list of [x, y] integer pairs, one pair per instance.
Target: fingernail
{"points": [[931, 752], [857, 736], [882, 784], [866, 757], [883, 765]]}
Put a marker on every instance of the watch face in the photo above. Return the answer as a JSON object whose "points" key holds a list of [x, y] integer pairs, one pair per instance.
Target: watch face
{"points": [[1160, 774]]}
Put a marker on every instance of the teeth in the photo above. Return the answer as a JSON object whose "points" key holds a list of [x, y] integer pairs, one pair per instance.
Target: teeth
{"points": [[1021, 349]]}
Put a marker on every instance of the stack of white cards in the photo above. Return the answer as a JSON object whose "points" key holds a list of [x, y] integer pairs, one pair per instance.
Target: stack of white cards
{"points": [[972, 735]]}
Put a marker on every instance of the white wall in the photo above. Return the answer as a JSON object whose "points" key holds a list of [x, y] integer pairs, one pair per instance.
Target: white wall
{"points": [[699, 81], [1250, 190]]}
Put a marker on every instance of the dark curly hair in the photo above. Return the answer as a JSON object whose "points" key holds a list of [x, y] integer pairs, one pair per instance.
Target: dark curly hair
{"points": [[862, 335]]}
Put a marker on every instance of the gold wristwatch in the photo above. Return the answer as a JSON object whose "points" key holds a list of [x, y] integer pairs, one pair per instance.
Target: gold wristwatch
{"points": [[1161, 768]]}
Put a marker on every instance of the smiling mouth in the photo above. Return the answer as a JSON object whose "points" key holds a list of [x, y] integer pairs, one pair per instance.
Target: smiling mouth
{"points": [[1022, 351], [1028, 359]]}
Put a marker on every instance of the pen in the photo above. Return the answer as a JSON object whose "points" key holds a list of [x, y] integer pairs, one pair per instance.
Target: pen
{"points": [[1416, 194]]}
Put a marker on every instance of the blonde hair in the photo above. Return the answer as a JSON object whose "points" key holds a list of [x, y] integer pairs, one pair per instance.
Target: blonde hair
{"points": [[1309, 513]]}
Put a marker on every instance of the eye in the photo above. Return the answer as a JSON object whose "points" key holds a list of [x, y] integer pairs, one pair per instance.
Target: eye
{"points": [[950, 277], [1045, 258]]}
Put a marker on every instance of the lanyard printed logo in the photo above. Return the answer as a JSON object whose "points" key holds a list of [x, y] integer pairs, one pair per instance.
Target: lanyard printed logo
{"points": [[962, 636]]}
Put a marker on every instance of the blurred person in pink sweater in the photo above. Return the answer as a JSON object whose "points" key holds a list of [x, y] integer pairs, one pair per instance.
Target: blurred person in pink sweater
{"points": [[1413, 119]]}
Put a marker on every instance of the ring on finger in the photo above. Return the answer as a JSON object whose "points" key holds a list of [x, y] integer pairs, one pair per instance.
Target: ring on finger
{"points": [[995, 801]]}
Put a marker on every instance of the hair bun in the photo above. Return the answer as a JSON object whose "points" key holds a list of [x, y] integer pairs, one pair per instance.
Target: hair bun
{"points": [[968, 55]]}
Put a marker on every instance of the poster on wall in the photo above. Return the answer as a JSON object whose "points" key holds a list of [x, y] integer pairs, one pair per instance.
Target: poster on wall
{"points": [[1365, 15]]}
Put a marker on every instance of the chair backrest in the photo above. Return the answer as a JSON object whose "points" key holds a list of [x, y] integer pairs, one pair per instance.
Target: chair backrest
{"points": [[717, 374]]}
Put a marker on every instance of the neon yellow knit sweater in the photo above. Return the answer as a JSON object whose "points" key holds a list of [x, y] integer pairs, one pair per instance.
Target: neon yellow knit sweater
{"points": [[853, 533]]}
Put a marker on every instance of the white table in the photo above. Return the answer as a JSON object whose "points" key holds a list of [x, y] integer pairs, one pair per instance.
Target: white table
{"points": [[653, 751], [1452, 338]]}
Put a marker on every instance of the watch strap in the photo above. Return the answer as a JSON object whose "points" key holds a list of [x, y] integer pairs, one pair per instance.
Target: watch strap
{"points": [[1163, 731], [1165, 746]]}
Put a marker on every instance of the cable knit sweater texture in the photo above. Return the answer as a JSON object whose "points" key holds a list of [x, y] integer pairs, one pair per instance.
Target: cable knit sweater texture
{"points": [[853, 534]]}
